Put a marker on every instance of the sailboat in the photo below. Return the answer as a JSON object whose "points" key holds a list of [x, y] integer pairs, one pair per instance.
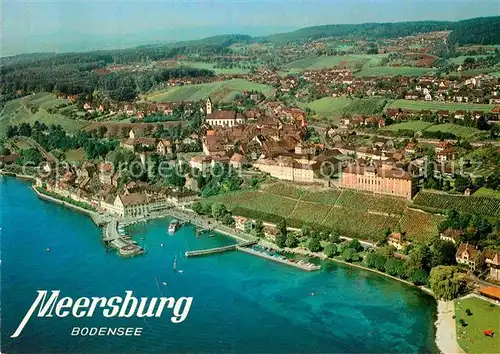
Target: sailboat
{"points": [[175, 264]]}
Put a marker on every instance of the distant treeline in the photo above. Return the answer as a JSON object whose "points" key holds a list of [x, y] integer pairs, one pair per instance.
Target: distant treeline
{"points": [[483, 30], [75, 74]]}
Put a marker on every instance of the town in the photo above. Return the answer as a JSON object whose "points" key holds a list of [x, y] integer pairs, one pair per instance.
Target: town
{"points": [[383, 154]]}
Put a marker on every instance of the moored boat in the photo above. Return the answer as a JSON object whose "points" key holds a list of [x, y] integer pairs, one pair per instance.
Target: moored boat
{"points": [[174, 225]]}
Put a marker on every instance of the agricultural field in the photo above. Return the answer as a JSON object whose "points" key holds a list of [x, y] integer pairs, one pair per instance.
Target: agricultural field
{"points": [[435, 106], [312, 212], [487, 192], [284, 189], [364, 202], [75, 156], [420, 226], [495, 74], [393, 71], [416, 126], [337, 106], [485, 206], [219, 91], [327, 61], [210, 66], [460, 60], [357, 224], [459, 130], [265, 202], [351, 213], [23, 111], [328, 196], [483, 316]]}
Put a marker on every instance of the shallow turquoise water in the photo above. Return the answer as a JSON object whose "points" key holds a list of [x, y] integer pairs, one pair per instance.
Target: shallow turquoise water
{"points": [[241, 303]]}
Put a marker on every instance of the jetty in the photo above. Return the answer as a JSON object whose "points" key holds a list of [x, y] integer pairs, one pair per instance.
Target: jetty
{"points": [[125, 248], [208, 251], [307, 266]]}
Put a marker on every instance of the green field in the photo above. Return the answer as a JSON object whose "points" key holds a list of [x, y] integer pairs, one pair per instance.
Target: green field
{"points": [[328, 61], [495, 74], [480, 205], [351, 213], [460, 60], [484, 316], [487, 192], [337, 106], [210, 66], [435, 106], [415, 126], [459, 130], [219, 91], [392, 71], [18, 111]]}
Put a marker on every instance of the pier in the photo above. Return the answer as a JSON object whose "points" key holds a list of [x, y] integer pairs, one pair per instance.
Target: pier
{"points": [[283, 260], [208, 251]]}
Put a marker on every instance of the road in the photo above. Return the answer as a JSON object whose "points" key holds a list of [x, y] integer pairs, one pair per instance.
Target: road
{"points": [[37, 146]]}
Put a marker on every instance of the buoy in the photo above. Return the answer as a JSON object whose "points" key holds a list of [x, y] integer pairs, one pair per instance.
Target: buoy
{"points": [[161, 244], [48, 249], [164, 283]]}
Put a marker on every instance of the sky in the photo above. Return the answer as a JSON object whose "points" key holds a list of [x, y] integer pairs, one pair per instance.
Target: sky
{"points": [[75, 25]]}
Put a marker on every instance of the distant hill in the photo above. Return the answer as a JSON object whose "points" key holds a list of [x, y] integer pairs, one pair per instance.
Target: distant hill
{"points": [[482, 30]]}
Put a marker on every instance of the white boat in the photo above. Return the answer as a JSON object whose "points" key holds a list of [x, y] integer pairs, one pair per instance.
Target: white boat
{"points": [[174, 225]]}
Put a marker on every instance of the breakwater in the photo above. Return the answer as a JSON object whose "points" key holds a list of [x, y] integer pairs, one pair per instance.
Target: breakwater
{"points": [[219, 249], [280, 259]]}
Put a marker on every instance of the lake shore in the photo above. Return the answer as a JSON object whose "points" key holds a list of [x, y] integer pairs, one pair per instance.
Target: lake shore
{"points": [[446, 333]]}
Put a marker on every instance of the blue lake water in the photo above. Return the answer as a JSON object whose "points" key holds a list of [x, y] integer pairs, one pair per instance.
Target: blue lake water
{"points": [[241, 303]]}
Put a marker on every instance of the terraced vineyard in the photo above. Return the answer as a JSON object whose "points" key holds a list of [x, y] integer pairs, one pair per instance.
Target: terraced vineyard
{"points": [[351, 213], [371, 202], [420, 226], [265, 202], [284, 189], [472, 205], [329, 196], [312, 212], [358, 224]]}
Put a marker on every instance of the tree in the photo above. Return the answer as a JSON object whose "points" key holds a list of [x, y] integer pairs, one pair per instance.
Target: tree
{"points": [[227, 219], [376, 260], [281, 226], [197, 208], [442, 253], [350, 255], [330, 250], [354, 243], [305, 230], [259, 228], [218, 210], [292, 241], [280, 240], [334, 237], [446, 282], [314, 245], [419, 260], [419, 277], [395, 267]]}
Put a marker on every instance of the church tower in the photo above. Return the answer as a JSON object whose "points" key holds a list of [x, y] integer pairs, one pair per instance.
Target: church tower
{"points": [[208, 106]]}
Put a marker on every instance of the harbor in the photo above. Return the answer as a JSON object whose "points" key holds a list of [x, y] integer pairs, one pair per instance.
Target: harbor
{"points": [[115, 236], [274, 256]]}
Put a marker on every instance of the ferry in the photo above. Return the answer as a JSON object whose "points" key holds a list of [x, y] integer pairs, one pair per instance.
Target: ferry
{"points": [[174, 225]]}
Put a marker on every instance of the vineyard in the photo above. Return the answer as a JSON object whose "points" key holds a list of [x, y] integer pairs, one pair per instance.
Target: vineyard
{"points": [[351, 213], [471, 205], [371, 202], [357, 224], [420, 226], [284, 189]]}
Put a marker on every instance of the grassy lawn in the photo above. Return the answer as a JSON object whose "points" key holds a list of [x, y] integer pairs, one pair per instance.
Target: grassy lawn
{"points": [[484, 316], [328, 61], [415, 126], [458, 130], [336, 106], [435, 106], [210, 66], [392, 71], [495, 74], [75, 155], [17, 112], [218, 91]]}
